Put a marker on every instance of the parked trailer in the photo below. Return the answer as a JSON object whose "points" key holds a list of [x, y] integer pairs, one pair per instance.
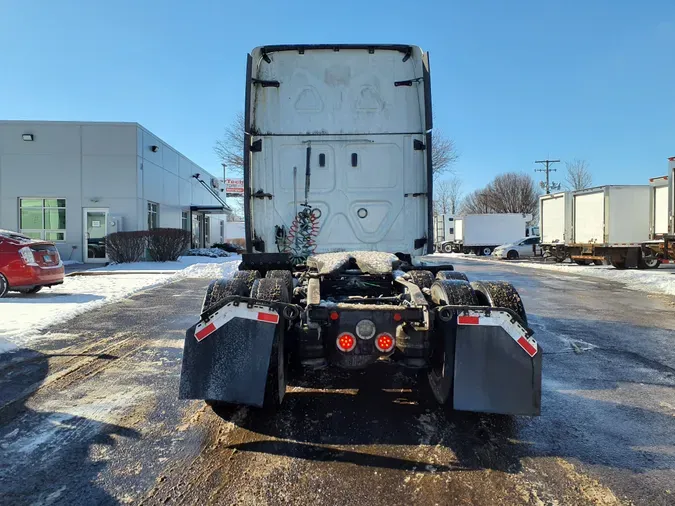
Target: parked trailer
{"points": [[338, 155], [555, 223], [482, 233], [616, 224]]}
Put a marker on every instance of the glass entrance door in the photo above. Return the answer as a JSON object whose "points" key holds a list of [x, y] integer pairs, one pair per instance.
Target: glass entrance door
{"points": [[95, 230]]}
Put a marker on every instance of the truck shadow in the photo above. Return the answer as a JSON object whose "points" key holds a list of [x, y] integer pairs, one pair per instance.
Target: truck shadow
{"points": [[390, 414], [48, 456]]}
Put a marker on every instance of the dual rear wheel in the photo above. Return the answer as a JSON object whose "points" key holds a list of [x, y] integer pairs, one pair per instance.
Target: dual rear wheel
{"points": [[457, 292]]}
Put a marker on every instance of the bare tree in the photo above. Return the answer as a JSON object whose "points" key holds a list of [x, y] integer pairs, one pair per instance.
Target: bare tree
{"points": [[443, 154], [511, 192], [476, 202], [230, 148], [447, 195], [578, 176]]}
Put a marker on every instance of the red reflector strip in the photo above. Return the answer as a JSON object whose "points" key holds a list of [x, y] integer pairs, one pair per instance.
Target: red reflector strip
{"points": [[527, 346], [205, 332], [268, 317], [468, 320]]}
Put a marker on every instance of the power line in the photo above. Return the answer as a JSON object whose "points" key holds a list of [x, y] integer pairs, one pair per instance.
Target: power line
{"points": [[548, 170]]}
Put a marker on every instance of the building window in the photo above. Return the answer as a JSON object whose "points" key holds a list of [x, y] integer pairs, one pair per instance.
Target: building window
{"points": [[185, 220], [222, 230], [207, 231], [153, 215], [41, 218]]}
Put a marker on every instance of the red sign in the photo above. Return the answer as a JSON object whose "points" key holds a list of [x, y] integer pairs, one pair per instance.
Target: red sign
{"points": [[234, 186]]}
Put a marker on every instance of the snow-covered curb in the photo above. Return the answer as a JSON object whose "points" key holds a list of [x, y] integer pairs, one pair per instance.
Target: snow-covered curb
{"points": [[24, 317], [661, 280]]}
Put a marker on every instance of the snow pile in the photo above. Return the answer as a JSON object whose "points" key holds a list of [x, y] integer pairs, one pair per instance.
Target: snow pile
{"points": [[661, 280], [211, 271], [207, 252], [165, 267], [24, 317]]}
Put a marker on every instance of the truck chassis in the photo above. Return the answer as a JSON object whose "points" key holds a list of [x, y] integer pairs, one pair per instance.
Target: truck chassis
{"points": [[351, 310], [645, 255]]}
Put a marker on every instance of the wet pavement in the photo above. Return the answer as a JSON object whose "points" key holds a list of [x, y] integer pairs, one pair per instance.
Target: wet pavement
{"points": [[93, 418]]}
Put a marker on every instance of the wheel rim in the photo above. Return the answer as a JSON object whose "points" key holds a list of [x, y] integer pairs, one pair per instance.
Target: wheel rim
{"points": [[651, 262], [487, 251]]}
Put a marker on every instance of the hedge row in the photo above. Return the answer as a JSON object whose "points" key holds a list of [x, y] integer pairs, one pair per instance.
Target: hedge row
{"points": [[162, 245]]}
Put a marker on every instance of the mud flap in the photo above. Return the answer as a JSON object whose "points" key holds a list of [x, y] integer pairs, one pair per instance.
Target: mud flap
{"points": [[494, 373], [230, 364]]}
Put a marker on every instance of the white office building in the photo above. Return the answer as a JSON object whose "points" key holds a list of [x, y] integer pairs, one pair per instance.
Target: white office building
{"points": [[75, 182]]}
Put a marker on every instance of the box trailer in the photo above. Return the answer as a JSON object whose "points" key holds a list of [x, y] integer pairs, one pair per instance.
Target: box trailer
{"points": [[482, 233], [626, 226], [555, 224], [338, 192]]}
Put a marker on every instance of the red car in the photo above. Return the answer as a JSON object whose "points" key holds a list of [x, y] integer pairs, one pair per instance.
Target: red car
{"points": [[27, 265]]}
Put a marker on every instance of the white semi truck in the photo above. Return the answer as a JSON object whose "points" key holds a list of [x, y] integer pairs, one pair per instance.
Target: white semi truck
{"points": [[338, 193], [445, 229], [627, 226]]}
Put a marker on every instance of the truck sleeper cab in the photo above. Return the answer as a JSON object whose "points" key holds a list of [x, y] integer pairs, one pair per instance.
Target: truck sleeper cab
{"points": [[338, 194]]}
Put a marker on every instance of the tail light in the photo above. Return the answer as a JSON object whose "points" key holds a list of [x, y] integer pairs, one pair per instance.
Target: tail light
{"points": [[27, 256], [384, 342], [346, 342]]}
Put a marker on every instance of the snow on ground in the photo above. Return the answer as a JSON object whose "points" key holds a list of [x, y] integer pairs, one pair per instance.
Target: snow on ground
{"points": [[661, 280], [22, 317]]}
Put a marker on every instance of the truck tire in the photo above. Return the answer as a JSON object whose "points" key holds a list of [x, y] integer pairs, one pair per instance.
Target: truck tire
{"points": [[451, 275], [454, 292], [500, 294], [284, 276], [512, 255], [4, 286], [247, 277], [423, 279], [447, 248], [648, 262], [486, 251], [582, 262], [221, 288], [274, 290], [598, 262]]}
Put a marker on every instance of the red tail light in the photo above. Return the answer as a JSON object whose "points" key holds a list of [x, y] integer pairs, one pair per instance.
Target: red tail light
{"points": [[397, 317], [345, 342], [384, 342], [334, 315]]}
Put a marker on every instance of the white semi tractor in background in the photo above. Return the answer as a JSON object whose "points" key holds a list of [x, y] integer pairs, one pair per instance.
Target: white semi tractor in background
{"points": [[627, 226]]}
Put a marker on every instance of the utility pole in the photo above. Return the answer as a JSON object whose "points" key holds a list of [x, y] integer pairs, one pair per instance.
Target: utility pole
{"points": [[548, 170]]}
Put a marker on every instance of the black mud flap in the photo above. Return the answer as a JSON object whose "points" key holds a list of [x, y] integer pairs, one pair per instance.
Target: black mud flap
{"points": [[494, 374], [229, 365]]}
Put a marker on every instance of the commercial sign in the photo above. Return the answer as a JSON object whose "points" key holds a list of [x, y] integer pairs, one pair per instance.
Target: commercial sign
{"points": [[234, 186]]}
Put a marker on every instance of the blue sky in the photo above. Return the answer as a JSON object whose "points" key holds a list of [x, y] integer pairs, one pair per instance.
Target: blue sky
{"points": [[513, 81]]}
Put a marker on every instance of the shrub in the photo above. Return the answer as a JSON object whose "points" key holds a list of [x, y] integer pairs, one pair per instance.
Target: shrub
{"points": [[229, 247], [206, 252], [167, 244], [123, 247]]}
